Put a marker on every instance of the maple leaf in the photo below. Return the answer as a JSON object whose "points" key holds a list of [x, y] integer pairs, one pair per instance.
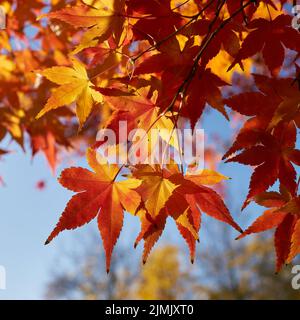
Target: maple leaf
{"points": [[99, 195], [212, 204], [283, 214], [193, 198], [169, 56], [48, 134], [247, 13], [45, 143], [189, 227], [174, 66], [104, 18], [273, 155], [295, 242], [151, 230], [158, 13], [248, 136], [275, 102], [288, 108], [226, 39], [11, 121], [155, 189], [74, 86], [182, 198], [209, 93], [149, 62], [269, 37], [139, 112]]}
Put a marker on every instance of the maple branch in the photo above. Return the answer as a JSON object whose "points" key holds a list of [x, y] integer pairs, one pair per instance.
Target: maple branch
{"points": [[159, 43], [245, 18], [207, 40], [269, 13], [203, 46], [183, 87], [180, 5], [155, 46]]}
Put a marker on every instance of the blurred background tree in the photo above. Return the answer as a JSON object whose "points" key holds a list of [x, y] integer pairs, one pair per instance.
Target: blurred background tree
{"points": [[244, 270], [80, 275], [164, 278]]}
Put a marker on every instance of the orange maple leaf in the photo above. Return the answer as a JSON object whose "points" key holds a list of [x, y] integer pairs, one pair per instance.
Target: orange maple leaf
{"points": [[99, 195]]}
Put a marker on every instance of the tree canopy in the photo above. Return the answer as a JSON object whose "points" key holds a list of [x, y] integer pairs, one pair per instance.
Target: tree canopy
{"points": [[71, 68]]}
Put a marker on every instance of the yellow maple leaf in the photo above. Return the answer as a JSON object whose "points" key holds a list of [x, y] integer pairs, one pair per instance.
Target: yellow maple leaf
{"points": [[206, 177], [220, 63], [155, 189], [74, 86], [103, 18], [184, 221]]}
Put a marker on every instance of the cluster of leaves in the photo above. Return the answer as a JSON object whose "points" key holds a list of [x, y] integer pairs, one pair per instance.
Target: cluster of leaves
{"points": [[158, 64]]}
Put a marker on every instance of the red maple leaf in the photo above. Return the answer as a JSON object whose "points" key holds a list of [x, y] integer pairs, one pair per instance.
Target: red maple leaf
{"points": [[282, 214], [269, 37]]}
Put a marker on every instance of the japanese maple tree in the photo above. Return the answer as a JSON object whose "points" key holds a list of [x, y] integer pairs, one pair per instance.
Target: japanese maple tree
{"points": [[70, 68]]}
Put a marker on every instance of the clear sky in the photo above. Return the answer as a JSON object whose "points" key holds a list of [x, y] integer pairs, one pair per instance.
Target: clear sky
{"points": [[28, 215]]}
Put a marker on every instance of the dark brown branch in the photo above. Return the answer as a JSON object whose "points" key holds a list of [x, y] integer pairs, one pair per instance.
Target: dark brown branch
{"points": [[207, 40]]}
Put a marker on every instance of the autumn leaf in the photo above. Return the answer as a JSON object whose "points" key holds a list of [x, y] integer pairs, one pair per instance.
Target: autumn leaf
{"points": [[74, 86], [172, 76], [295, 242], [189, 226], [151, 230], [46, 144], [102, 17], [248, 13], [269, 37], [11, 120], [274, 155], [159, 13], [269, 220], [276, 102], [155, 189], [206, 177], [210, 94], [98, 195], [139, 112], [167, 193], [284, 242], [282, 215], [226, 39], [162, 65]]}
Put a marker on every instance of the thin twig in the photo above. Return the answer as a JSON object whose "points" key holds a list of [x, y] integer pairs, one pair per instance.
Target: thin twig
{"points": [[159, 43], [184, 86]]}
